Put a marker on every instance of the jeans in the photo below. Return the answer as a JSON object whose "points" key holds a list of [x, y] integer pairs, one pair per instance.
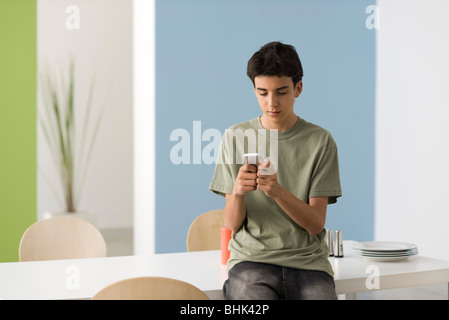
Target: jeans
{"points": [[260, 281]]}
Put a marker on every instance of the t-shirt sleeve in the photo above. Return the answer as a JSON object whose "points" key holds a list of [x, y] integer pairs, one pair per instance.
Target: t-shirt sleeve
{"points": [[225, 172], [326, 176]]}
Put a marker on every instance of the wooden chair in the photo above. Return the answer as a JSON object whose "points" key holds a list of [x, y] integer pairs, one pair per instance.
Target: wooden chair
{"points": [[150, 288], [204, 232], [61, 238]]}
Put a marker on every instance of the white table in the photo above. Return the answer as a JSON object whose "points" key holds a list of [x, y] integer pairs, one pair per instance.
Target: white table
{"points": [[82, 278], [354, 274]]}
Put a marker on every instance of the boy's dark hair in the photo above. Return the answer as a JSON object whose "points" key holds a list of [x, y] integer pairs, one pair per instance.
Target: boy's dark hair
{"points": [[275, 59]]}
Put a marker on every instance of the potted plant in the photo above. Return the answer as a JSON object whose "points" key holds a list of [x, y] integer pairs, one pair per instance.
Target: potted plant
{"points": [[57, 120]]}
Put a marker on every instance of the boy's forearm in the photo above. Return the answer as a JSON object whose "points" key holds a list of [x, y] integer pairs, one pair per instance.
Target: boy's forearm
{"points": [[235, 211], [310, 216]]}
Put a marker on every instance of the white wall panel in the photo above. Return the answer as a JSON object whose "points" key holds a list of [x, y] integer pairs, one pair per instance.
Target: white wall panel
{"points": [[412, 131], [98, 36]]}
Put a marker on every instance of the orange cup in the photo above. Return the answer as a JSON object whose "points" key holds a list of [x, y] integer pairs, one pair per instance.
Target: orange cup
{"points": [[225, 237]]}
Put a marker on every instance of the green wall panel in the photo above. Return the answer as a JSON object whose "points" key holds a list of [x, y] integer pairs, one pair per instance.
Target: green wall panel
{"points": [[17, 123]]}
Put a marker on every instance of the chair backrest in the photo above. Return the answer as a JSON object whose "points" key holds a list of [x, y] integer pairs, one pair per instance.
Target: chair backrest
{"points": [[150, 288], [204, 232], [61, 238]]}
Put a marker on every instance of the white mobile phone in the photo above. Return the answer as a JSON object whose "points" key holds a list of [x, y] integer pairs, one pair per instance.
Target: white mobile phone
{"points": [[253, 158]]}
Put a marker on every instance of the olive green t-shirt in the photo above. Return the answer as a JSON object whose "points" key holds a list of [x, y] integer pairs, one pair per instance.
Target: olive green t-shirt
{"points": [[306, 161]]}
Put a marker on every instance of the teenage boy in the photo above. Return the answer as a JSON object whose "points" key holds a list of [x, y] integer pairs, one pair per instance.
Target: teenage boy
{"points": [[277, 247]]}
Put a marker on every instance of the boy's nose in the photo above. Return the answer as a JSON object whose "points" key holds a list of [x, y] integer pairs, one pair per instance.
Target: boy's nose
{"points": [[272, 101]]}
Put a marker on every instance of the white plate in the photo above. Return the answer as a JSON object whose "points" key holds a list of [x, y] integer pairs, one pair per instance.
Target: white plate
{"points": [[386, 259], [383, 246], [386, 255]]}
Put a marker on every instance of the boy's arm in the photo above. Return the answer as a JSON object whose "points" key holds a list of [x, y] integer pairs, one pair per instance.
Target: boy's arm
{"points": [[235, 209], [311, 217], [234, 212]]}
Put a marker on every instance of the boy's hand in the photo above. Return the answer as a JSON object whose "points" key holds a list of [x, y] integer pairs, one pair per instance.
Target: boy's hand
{"points": [[246, 180], [267, 183]]}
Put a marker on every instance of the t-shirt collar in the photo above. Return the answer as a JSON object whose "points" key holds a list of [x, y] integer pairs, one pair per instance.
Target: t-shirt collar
{"points": [[284, 134]]}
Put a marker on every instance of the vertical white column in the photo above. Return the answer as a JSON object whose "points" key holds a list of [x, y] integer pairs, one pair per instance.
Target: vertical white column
{"points": [[412, 148], [144, 48]]}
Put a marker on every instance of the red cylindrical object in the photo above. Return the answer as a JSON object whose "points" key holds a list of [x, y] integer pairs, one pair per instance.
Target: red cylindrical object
{"points": [[225, 237]]}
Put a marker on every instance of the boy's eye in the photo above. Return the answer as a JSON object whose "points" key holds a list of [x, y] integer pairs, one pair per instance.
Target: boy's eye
{"points": [[263, 93]]}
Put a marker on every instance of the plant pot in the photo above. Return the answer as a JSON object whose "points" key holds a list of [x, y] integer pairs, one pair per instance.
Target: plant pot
{"points": [[88, 216]]}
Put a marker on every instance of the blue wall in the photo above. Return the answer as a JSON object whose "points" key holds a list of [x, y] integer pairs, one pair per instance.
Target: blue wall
{"points": [[202, 48]]}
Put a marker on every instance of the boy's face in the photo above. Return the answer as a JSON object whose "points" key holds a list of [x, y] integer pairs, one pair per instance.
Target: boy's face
{"points": [[276, 96]]}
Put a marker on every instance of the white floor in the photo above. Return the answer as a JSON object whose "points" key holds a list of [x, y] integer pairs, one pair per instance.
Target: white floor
{"points": [[119, 242]]}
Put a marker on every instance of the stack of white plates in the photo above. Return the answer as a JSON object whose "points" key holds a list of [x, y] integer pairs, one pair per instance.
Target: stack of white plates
{"points": [[385, 250]]}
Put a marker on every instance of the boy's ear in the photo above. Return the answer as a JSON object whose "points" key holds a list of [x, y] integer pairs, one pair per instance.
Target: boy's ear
{"points": [[298, 89]]}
